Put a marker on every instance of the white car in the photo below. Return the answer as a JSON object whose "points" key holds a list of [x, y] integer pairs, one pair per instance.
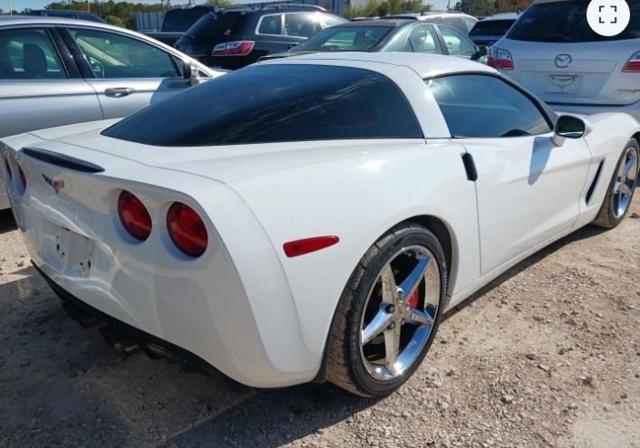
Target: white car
{"points": [[319, 228], [552, 51]]}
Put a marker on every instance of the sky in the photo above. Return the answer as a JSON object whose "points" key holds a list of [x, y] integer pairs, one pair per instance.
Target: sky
{"points": [[19, 5]]}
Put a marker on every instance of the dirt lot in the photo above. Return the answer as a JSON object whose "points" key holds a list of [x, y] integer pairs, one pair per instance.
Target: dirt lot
{"points": [[548, 355]]}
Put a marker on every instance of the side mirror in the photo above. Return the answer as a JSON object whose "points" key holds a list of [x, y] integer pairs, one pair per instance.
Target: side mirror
{"points": [[480, 52], [190, 74], [569, 126]]}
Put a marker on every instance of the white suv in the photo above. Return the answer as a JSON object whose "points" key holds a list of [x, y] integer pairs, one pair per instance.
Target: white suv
{"points": [[552, 51]]}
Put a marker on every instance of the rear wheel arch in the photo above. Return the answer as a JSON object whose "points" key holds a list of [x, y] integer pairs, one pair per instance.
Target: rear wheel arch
{"points": [[444, 233]]}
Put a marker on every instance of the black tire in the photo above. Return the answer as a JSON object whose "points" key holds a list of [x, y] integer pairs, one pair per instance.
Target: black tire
{"points": [[606, 217], [345, 365]]}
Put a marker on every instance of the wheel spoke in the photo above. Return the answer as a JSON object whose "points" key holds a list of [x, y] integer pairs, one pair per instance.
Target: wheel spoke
{"points": [[630, 166], [625, 190], [419, 317], [391, 346], [411, 283], [379, 322], [389, 287]]}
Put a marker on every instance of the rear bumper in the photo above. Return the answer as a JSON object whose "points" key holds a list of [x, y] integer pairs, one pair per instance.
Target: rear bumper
{"points": [[589, 109], [232, 307]]}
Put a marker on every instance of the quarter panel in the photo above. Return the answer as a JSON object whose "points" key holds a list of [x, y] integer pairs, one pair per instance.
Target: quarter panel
{"points": [[359, 199]]}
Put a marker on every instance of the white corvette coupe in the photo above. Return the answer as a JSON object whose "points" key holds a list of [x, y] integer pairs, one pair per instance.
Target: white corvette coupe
{"points": [[312, 218]]}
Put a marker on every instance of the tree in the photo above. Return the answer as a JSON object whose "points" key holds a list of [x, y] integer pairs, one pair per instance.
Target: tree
{"points": [[111, 10], [488, 7], [115, 20], [377, 8]]}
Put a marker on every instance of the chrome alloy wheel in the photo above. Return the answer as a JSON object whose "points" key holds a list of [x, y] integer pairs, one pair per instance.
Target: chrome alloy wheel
{"points": [[625, 182], [400, 313]]}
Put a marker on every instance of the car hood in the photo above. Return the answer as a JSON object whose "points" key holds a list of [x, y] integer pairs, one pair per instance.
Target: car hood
{"points": [[226, 164]]}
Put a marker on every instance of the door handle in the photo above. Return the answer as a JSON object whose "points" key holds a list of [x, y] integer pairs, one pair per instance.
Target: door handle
{"points": [[118, 92]]}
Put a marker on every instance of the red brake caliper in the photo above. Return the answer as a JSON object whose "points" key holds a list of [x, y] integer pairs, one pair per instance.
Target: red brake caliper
{"points": [[413, 299]]}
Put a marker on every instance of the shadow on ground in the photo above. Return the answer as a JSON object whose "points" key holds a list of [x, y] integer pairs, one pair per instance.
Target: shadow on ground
{"points": [[62, 384], [7, 224]]}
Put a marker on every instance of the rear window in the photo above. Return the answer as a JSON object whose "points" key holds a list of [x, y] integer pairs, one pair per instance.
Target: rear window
{"points": [[178, 20], [566, 21], [212, 25], [344, 38], [303, 102], [491, 28]]}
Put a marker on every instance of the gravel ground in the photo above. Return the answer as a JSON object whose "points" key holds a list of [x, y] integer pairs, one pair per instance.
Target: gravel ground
{"points": [[547, 355]]}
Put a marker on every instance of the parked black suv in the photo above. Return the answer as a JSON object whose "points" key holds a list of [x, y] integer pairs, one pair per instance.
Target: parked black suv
{"points": [[235, 37]]}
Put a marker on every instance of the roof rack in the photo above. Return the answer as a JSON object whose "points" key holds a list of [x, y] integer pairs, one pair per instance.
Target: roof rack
{"points": [[294, 5]]}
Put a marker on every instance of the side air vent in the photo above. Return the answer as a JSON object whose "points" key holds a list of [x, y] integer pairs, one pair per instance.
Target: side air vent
{"points": [[62, 160], [592, 187]]}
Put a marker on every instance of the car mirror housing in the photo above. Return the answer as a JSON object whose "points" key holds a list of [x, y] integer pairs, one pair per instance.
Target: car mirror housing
{"points": [[480, 52], [570, 126], [191, 74]]}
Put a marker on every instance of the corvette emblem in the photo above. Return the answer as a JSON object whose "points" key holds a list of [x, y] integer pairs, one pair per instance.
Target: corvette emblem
{"points": [[57, 184], [563, 60]]}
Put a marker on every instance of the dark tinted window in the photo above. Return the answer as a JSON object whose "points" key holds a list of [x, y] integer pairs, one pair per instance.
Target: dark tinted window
{"points": [[345, 38], [214, 26], [486, 106], [28, 54], [566, 21], [302, 25], [491, 27], [271, 24], [177, 20], [303, 102]]}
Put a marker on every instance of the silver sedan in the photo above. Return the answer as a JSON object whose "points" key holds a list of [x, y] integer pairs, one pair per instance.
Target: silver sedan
{"points": [[56, 71]]}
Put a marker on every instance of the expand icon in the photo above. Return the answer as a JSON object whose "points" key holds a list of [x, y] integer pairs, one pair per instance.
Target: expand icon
{"points": [[608, 17]]}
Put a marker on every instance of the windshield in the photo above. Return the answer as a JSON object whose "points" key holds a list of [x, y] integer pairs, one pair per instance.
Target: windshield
{"points": [[214, 25], [566, 21], [178, 20], [303, 103], [345, 38], [491, 28]]}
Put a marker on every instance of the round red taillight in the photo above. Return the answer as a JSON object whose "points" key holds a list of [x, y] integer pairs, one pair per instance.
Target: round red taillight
{"points": [[187, 230], [134, 216], [8, 167]]}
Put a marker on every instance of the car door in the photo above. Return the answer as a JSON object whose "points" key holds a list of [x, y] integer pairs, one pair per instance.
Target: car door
{"points": [[455, 43], [127, 73], [528, 188], [40, 86]]}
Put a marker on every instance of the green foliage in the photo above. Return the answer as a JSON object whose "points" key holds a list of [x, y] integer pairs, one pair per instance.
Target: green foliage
{"points": [[378, 8], [488, 7], [119, 13], [114, 20], [220, 3]]}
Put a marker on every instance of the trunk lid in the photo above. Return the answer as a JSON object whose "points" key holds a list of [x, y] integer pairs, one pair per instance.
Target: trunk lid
{"points": [[580, 73]]}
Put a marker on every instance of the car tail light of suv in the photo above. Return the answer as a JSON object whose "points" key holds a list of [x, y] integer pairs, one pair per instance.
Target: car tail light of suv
{"points": [[233, 48], [499, 58], [633, 64]]}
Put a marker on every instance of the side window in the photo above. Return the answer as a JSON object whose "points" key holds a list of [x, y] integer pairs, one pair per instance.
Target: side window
{"points": [[486, 106], [423, 40], [302, 25], [112, 55], [271, 24], [29, 54], [456, 43]]}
